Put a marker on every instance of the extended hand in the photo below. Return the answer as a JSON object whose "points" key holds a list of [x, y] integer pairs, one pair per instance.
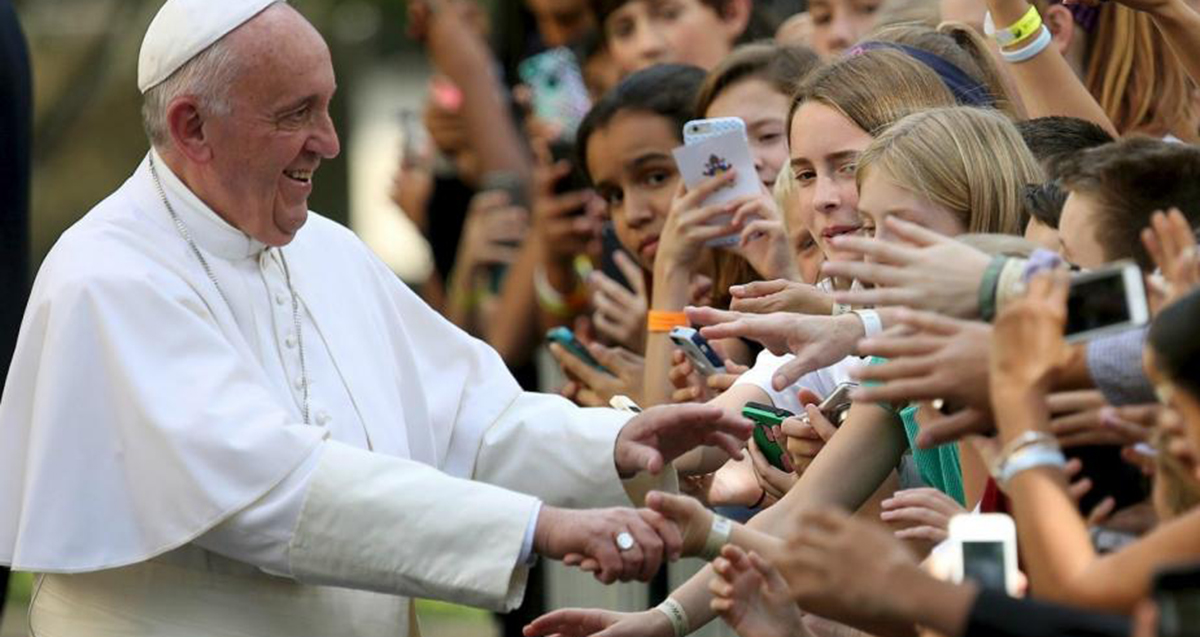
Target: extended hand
{"points": [[780, 295], [817, 341], [589, 539], [1028, 348], [596, 622], [912, 272], [661, 434], [751, 596], [687, 514]]}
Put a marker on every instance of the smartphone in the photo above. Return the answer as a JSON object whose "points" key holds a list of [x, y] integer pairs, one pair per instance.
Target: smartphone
{"points": [[610, 245], [765, 417], [518, 195], [1108, 300], [559, 95], [699, 130], [566, 338], [1176, 590], [984, 549], [725, 145], [575, 180], [836, 405], [704, 358]]}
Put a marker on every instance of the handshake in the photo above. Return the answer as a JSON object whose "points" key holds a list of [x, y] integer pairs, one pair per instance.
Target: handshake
{"points": [[621, 544]]}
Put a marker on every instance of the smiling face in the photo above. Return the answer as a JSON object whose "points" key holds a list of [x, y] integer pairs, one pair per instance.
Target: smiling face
{"points": [[824, 153], [258, 168], [764, 110], [838, 24], [643, 33], [880, 198], [630, 162]]}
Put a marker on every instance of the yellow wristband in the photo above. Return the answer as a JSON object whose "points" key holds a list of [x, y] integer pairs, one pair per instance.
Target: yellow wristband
{"points": [[1028, 25]]}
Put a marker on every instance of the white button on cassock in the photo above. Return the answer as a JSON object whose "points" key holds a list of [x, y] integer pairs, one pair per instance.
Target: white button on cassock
{"points": [[290, 340], [323, 418], [280, 298]]}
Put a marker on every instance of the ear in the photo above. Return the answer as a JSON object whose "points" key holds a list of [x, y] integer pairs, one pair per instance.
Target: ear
{"points": [[1062, 26], [185, 124], [735, 14]]}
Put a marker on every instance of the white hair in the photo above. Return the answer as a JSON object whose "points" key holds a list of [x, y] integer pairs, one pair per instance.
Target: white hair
{"points": [[207, 77]]}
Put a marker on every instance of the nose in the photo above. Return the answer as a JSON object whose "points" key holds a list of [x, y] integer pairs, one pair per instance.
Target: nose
{"points": [[760, 162], [827, 198], [840, 35], [638, 211], [324, 140], [649, 45]]}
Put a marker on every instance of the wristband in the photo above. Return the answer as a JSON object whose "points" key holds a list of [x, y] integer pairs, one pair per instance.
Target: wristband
{"points": [[1027, 52], [553, 301], [1031, 457], [1027, 439], [872, 325], [987, 287], [1026, 26], [840, 309], [658, 321], [1010, 285], [675, 614], [718, 536]]}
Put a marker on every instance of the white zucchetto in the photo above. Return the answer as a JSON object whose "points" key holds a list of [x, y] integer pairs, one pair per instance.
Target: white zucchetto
{"points": [[185, 28]]}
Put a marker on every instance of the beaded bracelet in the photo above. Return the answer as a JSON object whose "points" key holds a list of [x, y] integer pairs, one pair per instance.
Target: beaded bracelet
{"points": [[987, 287]]}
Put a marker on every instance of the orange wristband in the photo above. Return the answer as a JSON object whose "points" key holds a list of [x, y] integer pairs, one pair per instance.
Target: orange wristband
{"points": [[658, 321]]}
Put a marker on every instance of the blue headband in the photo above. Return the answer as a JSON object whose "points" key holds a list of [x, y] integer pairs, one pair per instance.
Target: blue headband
{"points": [[967, 92]]}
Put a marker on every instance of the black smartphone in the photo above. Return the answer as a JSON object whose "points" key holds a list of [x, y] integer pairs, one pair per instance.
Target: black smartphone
{"points": [[610, 245], [1104, 301], [1177, 593], [575, 180]]}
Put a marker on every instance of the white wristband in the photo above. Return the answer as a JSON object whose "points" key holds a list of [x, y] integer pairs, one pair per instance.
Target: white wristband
{"points": [[1028, 51], [872, 324], [1031, 457], [675, 614], [718, 536]]}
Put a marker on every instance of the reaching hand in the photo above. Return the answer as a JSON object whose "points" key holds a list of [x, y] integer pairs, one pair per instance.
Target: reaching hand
{"points": [[560, 221], [935, 357], [817, 341], [1172, 244], [912, 271], [752, 597], [589, 538], [920, 514], [780, 295], [595, 622], [1086, 418], [687, 514], [591, 387], [620, 313], [841, 567], [661, 434], [1028, 349]]}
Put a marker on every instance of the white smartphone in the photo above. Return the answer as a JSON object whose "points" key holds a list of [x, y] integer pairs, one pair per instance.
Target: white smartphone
{"points": [[712, 146], [696, 347], [1108, 300], [699, 130], [984, 549]]}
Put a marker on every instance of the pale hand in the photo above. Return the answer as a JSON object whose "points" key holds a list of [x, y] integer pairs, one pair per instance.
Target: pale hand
{"points": [[816, 341], [687, 514], [691, 224], [921, 515], [752, 597], [591, 387], [780, 295], [587, 538], [661, 434], [595, 622], [1028, 348], [912, 271]]}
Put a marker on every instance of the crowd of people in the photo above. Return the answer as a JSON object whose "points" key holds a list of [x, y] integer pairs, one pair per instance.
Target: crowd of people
{"points": [[934, 175]]}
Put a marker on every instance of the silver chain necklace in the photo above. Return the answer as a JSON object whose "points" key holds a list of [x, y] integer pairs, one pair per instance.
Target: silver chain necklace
{"points": [[287, 276]]}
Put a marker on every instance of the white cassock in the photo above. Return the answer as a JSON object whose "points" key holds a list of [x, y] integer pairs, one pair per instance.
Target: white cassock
{"points": [[154, 464]]}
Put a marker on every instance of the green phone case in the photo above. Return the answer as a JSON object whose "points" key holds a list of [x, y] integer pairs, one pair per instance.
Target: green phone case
{"points": [[766, 417]]}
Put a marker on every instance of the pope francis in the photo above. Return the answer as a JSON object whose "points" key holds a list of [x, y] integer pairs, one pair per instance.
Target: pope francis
{"points": [[226, 417]]}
